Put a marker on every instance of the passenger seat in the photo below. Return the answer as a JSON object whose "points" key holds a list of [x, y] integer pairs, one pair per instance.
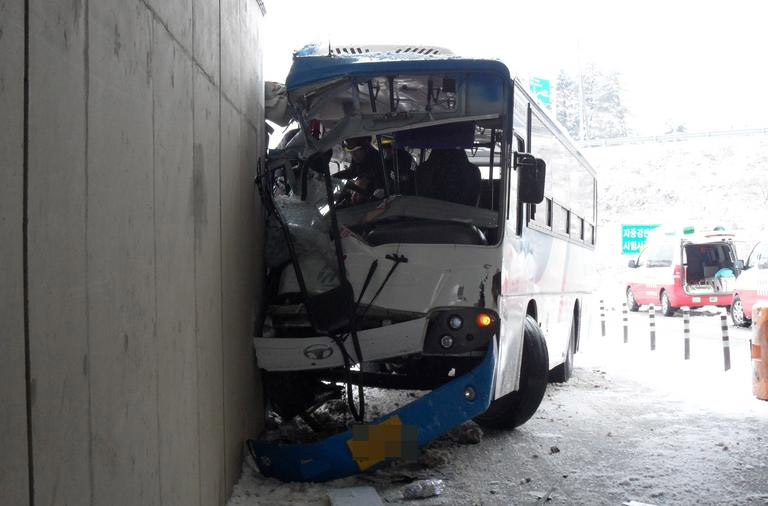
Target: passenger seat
{"points": [[449, 175]]}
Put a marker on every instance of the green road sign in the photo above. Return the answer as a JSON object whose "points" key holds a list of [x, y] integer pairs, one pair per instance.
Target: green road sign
{"points": [[633, 238], [541, 90]]}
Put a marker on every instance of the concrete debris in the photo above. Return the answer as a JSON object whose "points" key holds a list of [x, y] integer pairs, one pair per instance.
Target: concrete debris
{"points": [[468, 433], [554, 449], [271, 422], [354, 496], [540, 496], [637, 503], [337, 407], [434, 457]]}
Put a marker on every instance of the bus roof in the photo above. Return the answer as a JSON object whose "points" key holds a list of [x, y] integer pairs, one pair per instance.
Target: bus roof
{"points": [[308, 68]]}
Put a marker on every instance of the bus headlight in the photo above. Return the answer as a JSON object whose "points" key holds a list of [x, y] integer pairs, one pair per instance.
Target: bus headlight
{"points": [[446, 341], [455, 322]]}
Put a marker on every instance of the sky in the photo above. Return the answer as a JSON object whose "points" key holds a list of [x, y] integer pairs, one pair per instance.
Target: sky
{"points": [[701, 64]]}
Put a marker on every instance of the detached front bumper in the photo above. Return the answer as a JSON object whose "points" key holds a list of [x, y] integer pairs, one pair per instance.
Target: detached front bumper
{"points": [[394, 436]]}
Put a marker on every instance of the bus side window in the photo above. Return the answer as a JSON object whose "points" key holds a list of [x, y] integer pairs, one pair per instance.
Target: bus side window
{"points": [[521, 127], [514, 206], [574, 225], [560, 219], [541, 214], [580, 229]]}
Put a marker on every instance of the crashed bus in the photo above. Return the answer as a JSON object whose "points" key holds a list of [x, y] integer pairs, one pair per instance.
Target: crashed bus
{"points": [[430, 228]]}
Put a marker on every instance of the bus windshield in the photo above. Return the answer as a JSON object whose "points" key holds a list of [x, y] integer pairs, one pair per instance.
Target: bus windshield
{"points": [[370, 105]]}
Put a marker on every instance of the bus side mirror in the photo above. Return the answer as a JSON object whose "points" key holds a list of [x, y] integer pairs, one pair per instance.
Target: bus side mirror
{"points": [[531, 173], [632, 264]]}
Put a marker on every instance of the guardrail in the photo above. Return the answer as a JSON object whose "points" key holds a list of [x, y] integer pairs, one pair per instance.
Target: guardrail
{"points": [[617, 141]]}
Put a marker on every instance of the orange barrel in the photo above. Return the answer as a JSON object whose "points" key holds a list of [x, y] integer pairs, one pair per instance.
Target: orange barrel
{"points": [[760, 351]]}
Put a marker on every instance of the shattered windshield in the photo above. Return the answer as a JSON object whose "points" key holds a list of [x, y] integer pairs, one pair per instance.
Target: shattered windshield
{"points": [[448, 172], [371, 105]]}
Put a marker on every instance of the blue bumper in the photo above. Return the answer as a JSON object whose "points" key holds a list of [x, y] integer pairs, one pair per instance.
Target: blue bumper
{"points": [[396, 435]]}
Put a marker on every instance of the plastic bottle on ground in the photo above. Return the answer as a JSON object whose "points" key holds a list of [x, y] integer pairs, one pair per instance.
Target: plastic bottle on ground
{"points": [[423, 488]]}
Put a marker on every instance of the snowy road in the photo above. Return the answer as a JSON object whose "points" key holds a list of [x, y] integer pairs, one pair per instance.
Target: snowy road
{"points": [[632, 424]]}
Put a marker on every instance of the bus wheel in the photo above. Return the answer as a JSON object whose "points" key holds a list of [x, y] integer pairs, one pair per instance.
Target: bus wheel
{"points": [[666, 307], [564, 371], [737, 313], [515, 408], [632, 304]]}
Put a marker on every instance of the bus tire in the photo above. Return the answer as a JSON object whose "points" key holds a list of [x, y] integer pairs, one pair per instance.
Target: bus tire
{"points": [[563, 372], [515, 408]]}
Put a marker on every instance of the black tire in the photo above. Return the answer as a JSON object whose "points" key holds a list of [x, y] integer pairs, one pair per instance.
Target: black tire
{"points": [[632, 304], [737, 313], [515, 408], [563, 372], [666, 306]]}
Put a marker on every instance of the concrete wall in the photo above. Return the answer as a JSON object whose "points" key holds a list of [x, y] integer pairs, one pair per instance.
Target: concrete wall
{"points": [[13, 405], [143, 239]]}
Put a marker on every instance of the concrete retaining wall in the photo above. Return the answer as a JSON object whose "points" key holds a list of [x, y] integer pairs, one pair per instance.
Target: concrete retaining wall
{"points": [[144, 129], [13, 406]]}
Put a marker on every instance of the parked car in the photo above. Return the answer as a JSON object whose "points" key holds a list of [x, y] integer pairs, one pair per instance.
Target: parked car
{"points": [[751, 286], [684, 269]]}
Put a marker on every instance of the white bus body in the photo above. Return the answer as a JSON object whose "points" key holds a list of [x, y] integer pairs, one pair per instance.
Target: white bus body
{"points": [[535, 262]]}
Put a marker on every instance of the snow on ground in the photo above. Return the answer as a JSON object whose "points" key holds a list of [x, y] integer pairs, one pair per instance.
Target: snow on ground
{"points": [[632, 424]]}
